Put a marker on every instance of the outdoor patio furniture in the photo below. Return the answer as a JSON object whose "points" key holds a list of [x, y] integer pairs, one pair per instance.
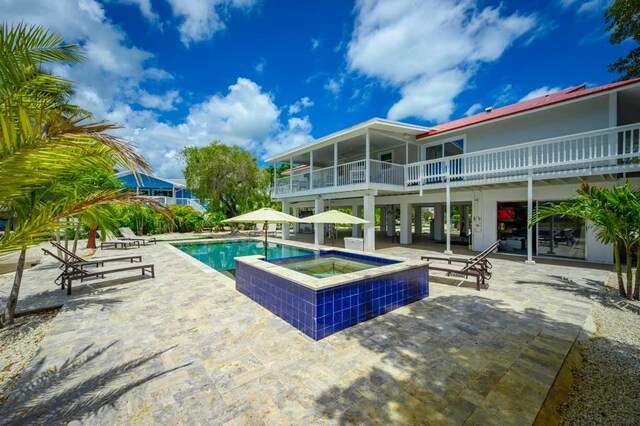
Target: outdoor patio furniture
{"points": [[74, 271], [128, 234], [474, 269], [123, 244], [97, 261], [481, 259]]}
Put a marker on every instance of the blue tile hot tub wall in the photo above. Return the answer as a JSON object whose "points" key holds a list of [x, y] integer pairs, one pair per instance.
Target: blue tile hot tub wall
{"points": [[321, 313]]}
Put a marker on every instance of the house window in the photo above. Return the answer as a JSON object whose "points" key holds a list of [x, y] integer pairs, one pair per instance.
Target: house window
{"points": [[444, 149], [386, 157], [163, 193]]}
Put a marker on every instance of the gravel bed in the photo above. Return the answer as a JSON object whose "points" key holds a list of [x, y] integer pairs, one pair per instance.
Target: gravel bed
{"points": [[606, 388], [18, 345]]}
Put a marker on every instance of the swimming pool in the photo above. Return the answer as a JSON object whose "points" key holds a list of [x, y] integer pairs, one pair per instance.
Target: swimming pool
{"points": [[221, 255], [328, 264]]}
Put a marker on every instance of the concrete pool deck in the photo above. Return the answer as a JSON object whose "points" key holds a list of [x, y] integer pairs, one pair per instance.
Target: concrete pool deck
{"points": [[186, 347]]}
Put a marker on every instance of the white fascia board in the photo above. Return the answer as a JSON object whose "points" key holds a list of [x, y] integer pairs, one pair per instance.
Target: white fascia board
{"points": [[350, 132]]}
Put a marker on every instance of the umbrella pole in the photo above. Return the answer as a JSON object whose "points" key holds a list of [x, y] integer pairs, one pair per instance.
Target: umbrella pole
{"points": [[266, 233]]}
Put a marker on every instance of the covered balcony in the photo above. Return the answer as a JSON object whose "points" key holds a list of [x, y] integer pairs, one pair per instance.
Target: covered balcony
{"points": [[360, 163], [373, 154]]}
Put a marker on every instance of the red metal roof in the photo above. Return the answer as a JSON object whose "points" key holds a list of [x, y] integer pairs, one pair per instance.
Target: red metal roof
{"points": [[528, 105]]}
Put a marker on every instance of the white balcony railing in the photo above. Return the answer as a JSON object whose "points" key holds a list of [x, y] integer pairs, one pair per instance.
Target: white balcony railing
{"points": [[584, 153], [603, 151]]}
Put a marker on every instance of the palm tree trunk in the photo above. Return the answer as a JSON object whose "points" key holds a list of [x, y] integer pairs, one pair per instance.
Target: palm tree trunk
{"points": [[57, 233], [636, 291], [76, 233], [616, 255], [12, 303], [91, 239], [629, 272]]}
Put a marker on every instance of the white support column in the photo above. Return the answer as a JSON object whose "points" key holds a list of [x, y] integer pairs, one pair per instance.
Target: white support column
{"points": [[405, 223], [406, 152], [367, 155], [285, 226], [319, 227], [447, 221], [275, 174], [391, 220], [417, 213], [335, 164], [291, 174], [296, 213], [369, 228], [530, 260], [355, 229], [311, 169], [613, 122], [383, 218]]}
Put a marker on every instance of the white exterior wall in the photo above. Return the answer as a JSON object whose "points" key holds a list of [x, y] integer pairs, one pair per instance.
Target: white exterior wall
{"points": [[485, 205], [584, 116]]}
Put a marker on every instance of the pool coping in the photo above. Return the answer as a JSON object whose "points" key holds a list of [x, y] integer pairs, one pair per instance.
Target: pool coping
{"points": [[314, 283]]}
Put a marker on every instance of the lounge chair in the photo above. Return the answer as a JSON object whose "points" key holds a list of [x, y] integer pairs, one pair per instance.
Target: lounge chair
{"points": [[480, 259], [121, 243], [129, 235], [74, 258], [272, 229], [74, 271], [474, 269]]}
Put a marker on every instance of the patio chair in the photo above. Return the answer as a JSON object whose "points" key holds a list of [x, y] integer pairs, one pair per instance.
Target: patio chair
{"points": [[272, 229], [75, 271], [258, 231], [120, 243], [480, 259], [96, 261], [474, 269], [128, 234]]}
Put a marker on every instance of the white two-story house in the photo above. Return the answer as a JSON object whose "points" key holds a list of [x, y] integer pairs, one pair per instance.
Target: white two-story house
{"points": [[491, 169]]}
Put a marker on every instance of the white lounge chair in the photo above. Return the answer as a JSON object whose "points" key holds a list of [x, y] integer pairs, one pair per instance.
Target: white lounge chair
{"points": [[129, 235]]}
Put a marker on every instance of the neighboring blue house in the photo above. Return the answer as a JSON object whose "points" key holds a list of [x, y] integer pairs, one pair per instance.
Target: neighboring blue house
{"points": [[169, 191]]}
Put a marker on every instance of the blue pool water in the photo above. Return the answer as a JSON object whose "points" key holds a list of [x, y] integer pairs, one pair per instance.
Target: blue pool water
{"points": [[221, 255]]}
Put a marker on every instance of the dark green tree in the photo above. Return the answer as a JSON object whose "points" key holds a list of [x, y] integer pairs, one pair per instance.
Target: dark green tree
{"points": [[227, 176], [623, 21]]}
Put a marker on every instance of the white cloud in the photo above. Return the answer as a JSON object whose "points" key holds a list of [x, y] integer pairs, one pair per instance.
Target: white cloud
{"points": [[144, 6], [587, 6], [334, 85], [540, 91], [201, 19], [429, 49], [163, 102], [315, 43], [259, 67], [297, 132], [473, 109], [300, 105], [113, 81], [593, 6]]}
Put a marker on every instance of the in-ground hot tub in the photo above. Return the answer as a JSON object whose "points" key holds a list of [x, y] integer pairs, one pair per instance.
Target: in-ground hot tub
{"points": [[323, 293]]}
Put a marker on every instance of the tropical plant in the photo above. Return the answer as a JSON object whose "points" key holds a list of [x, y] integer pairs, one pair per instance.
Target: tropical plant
{"points": [[215, 220], [613, 213], [43, 139]]}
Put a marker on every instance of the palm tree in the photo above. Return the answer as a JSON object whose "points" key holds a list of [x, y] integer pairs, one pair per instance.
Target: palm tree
{"points": [[43, 139], [614, 216]]}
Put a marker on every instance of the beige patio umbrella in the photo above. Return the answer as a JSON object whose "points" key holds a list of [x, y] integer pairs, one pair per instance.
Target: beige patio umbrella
{"points": [[266, 216], [335, 217]]}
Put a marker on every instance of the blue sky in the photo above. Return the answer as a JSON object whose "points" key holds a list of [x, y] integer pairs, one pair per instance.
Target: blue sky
{"points": [[272, 74]]}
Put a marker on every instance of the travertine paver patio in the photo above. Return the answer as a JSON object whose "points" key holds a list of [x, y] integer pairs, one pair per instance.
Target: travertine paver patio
{"points": [[187, 348]]}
